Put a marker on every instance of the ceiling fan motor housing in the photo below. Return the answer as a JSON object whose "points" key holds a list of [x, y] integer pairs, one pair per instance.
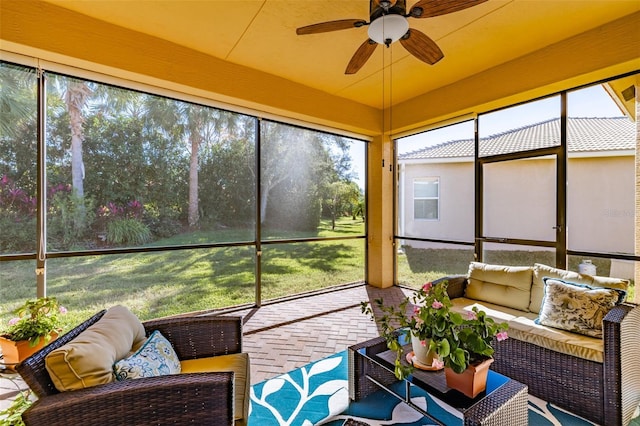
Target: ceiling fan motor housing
{"points": [[376, 8]]}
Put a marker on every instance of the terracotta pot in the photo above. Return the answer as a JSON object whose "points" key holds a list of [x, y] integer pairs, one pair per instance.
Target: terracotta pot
{"points": [[15, 352], [471, 381], [422, 353]]}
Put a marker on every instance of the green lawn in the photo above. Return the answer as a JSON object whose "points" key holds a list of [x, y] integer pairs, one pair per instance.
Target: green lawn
{"points": [[158, 284], [165, 283]]}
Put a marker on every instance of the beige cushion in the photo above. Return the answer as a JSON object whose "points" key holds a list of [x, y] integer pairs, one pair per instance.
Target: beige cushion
{"points": [[498, 313], [508, 286], [88, 359], [541, 271], [608, 282], [566, 342], [239, 364]]}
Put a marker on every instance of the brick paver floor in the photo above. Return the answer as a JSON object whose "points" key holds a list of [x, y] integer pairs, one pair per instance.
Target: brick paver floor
{"points": [[285, 335]]}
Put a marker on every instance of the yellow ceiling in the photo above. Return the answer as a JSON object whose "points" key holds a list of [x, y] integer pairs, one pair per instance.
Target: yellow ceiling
{"points": [[516, 37], [260, 34]]}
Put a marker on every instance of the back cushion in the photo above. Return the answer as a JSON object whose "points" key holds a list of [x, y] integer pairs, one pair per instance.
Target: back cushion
{"points": [[508, 286], [88, 359], [543, 271]]}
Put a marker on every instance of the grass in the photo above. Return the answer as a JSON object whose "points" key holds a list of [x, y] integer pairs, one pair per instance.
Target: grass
{"points": [[166, 283], [158, 284]]}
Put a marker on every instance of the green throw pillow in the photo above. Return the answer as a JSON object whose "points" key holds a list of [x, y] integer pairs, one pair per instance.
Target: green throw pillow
{"points": [[577, 307], [156, 357]]}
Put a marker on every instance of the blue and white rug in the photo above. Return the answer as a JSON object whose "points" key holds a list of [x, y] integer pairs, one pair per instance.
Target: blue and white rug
{"points": [[317, 394]]}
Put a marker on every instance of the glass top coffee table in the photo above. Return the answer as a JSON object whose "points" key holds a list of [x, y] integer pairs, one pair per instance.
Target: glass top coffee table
{"points": [[371, 367]]}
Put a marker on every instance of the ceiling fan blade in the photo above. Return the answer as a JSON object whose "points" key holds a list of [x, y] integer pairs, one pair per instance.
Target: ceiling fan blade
{"points": [[421, 46], [361, 56], [324, 27], [431, 8]]}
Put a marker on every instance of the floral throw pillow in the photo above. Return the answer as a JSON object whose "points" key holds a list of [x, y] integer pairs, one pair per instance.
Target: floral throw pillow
{"points": [[576, 307], [156, 357]]}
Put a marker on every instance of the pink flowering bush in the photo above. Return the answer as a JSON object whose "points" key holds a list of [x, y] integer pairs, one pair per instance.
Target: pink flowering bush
{"points": [[35, 319]]}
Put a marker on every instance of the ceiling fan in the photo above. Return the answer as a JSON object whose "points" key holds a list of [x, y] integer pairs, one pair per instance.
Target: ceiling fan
{"points": [[388, 24]]}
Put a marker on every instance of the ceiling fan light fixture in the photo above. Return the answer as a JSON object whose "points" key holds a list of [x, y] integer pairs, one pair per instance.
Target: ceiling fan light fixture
{"points": [[388, 29]]}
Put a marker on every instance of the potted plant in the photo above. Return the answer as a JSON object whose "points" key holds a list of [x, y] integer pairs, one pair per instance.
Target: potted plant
{"points": [[428, 317], [466, 350], [458, 343], [36, 323]]}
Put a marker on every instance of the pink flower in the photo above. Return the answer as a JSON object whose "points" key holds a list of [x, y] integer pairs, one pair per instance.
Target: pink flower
{"points": [[471, 315], [416, 310], [423, 342], [437, 304], [437, 364], [14, 321], [62, 310], [502, 336], [427, 286]]}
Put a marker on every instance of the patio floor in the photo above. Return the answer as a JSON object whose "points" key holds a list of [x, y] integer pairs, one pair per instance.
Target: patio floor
{"points": [[286, 335], [283, 335]]}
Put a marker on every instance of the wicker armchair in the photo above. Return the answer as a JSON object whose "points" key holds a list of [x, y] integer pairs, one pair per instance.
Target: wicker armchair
{"points": [[200, 398], [606, 393]]}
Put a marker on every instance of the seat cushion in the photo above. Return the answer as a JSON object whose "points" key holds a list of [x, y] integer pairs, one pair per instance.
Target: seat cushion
{"points": [[496, 312], [239, 364], [578, 345], [508, 286], [88, 359]]}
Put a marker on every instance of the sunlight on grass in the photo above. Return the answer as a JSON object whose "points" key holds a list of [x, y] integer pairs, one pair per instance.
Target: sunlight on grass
{"points": [[159, 284]]}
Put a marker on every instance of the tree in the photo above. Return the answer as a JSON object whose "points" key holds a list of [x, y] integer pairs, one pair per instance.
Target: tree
{"points": [[198, 125], [75, 96], [342, 198]]}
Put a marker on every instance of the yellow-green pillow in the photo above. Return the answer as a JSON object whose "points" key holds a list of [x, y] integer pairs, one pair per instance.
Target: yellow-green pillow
{"points": [[502, 285], [88, 359], [239, 364]]}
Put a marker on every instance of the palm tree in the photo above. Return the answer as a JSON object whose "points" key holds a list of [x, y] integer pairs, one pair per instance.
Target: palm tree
{"points": [[197, 125], [75, 97]]}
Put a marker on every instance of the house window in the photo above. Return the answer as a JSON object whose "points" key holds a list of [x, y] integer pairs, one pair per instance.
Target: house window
{"points": [[426, 198]]}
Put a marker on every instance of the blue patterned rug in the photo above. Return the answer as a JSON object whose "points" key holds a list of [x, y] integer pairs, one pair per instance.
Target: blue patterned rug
{"points": [[317, 394]]}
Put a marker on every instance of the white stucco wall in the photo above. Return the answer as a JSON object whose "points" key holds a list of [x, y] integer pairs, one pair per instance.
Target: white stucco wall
{"points": [[520, 201], [601, 204], [456, 201]]}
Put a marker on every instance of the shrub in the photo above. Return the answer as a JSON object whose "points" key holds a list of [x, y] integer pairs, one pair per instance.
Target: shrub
{"points": [[69, 219], [127, 230]]}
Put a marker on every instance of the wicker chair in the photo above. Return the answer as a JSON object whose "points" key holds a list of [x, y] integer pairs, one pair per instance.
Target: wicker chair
{"points": [[200, 398], [606, 393]]}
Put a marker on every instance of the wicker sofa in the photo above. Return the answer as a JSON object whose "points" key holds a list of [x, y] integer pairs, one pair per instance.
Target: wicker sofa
{"points": [[600, 383], [198, 398]]}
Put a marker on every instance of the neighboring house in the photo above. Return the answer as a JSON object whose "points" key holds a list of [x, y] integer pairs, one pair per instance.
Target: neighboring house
{"points": [[436, 187]]}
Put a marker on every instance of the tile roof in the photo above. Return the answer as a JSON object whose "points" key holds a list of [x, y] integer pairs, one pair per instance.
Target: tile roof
{"points": [[584, 135]]}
